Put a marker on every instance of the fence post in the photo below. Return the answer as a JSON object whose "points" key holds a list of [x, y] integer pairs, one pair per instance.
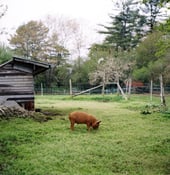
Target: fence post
{"points": [[151, 89], [41, 89], [70, 83]]}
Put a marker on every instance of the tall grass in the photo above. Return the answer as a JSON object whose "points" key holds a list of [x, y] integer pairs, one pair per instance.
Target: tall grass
{"points": [[127, 142]]}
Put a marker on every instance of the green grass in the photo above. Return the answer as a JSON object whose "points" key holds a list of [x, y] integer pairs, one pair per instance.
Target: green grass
{"points": [[127, 142]]}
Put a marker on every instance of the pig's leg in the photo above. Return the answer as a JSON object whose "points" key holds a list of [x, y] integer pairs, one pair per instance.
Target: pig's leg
{"points": [[72, 125], [88, 126]]}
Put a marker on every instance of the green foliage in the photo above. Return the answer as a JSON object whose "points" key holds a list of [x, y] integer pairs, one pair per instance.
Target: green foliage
{"points": [[126, 28], [154, 108], [79, 72], [126, 142], [97, 54], [5, 54], [146, 52], [156, 11], [98, 98], [30, 39], [164, 27], [153, 56], [59, 74], [33, 40], [141, 74], [126, 31]]}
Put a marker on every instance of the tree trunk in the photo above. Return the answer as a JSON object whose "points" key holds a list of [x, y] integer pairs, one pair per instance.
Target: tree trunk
{"points": [[103, 89], [70, 84], [129, 87], [162, 94], [42, 91], [104, 82]]}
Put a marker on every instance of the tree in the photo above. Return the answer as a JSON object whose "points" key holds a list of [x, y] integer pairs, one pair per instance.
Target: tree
{"points": [[3, 9], [126, 28], [111, 69], [147, 49], [30, 39], [155, 11], [96, 54], [57, 55], [165, 1], [70, 34], [5, 54], [79, 73], [34, 40], [153, 54]]}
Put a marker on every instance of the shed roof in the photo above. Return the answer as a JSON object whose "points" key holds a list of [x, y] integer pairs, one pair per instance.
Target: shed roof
{"points": [[26, 65]]}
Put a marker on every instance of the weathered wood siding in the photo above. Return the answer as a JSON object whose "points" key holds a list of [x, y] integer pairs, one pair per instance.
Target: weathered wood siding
{"points": [[17, 81], [16, 85]]}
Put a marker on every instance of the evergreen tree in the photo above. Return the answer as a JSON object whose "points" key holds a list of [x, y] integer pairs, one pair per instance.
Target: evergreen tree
{"points": [[126, 28], [155, 11]]}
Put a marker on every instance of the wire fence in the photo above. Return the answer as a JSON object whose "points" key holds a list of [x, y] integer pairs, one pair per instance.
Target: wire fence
{"points": [[65, 90]]}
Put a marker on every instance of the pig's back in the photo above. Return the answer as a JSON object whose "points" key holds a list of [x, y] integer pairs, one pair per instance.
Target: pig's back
{"points": [[79, 117]]}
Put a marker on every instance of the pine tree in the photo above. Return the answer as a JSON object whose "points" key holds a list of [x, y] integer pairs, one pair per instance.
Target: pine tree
{"points": [[126, 28], [155, 11]]}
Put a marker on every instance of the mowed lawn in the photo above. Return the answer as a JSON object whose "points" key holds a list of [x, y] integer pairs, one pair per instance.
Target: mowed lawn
{"points": [[127, 142]]}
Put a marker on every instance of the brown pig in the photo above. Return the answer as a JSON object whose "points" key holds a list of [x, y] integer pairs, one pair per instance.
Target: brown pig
{"points": [[83, 118]]}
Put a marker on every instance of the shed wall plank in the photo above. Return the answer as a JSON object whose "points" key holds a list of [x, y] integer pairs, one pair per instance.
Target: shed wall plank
{"points": [[14, 83]]}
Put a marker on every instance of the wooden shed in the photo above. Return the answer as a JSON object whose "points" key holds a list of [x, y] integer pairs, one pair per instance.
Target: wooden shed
{"points": [[17, 81]]}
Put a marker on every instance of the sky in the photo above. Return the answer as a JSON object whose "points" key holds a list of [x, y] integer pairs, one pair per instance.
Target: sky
{"points": [[19, 12]]}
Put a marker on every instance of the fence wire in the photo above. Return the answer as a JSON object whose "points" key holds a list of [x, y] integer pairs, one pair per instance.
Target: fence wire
{"points": [[64, 90]]}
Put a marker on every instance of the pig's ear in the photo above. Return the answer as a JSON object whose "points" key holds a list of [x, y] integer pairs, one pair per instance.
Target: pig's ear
{"points": [[98, 122]]}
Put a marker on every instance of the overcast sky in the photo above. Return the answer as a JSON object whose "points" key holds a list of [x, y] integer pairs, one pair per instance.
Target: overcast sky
{"points": [[19, 12]]}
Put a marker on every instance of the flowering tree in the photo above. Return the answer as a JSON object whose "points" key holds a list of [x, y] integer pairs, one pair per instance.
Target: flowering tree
{"points": [[109, 70]]}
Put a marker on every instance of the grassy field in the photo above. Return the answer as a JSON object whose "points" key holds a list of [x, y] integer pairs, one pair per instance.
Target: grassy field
{"points": [[127, 142]]}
